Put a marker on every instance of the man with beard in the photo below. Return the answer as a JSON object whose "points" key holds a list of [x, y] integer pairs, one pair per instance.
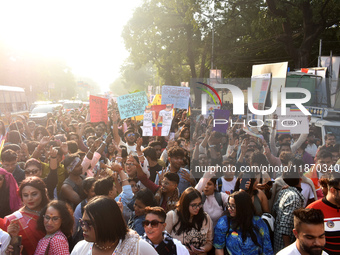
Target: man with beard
{"points": [[309, 231], [330, 206]]}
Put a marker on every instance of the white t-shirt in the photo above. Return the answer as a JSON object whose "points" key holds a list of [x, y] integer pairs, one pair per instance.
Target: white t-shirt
{"points": [[147, 121], [228, 187], [292, 250], [4, 241], [307, 192], [85, 248], [167, 117]]}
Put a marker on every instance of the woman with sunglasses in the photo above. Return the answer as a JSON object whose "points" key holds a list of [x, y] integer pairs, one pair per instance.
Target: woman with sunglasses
{"points": [[24, 221], [9, 200], [56, 221], [240, 231], [155, 234], [190, 224], [105, 231]]}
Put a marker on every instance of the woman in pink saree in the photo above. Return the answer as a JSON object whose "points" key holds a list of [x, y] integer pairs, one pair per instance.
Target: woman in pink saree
{"points": [[24, 221]]}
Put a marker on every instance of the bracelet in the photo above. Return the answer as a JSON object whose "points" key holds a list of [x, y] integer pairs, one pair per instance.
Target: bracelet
{"points": [[53, 157], [141, 155], [104, 142], [124, 180]]}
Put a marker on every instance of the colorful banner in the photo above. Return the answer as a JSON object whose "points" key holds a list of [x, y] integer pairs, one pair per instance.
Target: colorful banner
{"points": [[157, 100], [157, 120], [98, 109], [178, 96], [223, 116], [131, 105]]}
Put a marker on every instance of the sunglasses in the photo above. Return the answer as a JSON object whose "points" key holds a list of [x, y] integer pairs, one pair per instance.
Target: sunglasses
{"points": [[32, 172], [195, 206], [128, 135], [54, 218], [85, 224], [154, 223]]}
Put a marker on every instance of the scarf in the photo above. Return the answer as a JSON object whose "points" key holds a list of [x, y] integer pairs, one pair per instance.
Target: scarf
{"points": [[166, 247], [128, 246], [172, 201], [11, 184]]}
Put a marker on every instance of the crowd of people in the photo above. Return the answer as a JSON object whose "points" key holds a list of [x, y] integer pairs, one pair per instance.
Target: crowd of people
{"points": [[78, 187]]}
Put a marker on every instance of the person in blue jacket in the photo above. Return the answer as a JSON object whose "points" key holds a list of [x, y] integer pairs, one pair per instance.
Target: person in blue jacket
{"points": [[239, 231]]}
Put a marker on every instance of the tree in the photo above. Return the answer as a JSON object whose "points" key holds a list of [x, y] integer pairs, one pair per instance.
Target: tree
{"points": [[303, 22], [165, 34]]}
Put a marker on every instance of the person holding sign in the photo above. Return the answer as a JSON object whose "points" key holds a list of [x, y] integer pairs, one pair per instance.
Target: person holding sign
{"points": [[166, 116]]}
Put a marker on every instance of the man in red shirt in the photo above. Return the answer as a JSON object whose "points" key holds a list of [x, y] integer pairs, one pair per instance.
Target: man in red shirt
{"points": [[330, 206]]}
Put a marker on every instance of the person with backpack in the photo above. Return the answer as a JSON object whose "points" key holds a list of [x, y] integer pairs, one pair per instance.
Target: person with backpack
{"points": [[214, 202]]}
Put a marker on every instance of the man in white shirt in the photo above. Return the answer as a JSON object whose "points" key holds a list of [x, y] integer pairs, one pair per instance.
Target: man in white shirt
{"points": [[309, 230], [311, 147]]}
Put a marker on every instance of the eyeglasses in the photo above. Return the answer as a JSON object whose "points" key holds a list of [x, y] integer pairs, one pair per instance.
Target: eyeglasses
{"points": [[135, 186], [54, 218], [85, 224], [129, 164], [32, 172], [154, 223], [132, 134], [232, 207], [195, 206]]}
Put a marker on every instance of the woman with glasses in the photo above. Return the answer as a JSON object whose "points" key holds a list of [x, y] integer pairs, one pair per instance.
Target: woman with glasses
{"points": [[105, 231], [190, 224], [24, 221], [9, 200], [155, 234], [240, 231], [56, 221]]}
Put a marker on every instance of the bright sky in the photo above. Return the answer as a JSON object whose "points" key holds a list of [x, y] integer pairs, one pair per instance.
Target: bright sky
{"points": [[87, 33]]}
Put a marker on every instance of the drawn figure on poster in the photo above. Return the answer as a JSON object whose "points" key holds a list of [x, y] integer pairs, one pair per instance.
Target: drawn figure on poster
{"points": [[166, 117], [149, 117]]}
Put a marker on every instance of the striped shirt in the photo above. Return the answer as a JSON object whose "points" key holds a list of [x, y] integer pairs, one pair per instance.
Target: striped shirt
{"points": [[332, 224]]}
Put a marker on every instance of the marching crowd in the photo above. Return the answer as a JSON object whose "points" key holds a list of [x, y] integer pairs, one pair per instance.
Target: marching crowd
{"points": [[77, 187]]}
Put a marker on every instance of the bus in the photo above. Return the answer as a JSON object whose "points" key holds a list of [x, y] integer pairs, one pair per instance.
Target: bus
{"points": [[14, 101]]}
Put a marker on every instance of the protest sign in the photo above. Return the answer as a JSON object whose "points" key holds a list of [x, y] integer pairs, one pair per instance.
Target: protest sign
{"points": [[211, 109], [157, 120], [178, 96], [294, 122], [98, 109], [157, 99], [221, 115], [131, 105]]}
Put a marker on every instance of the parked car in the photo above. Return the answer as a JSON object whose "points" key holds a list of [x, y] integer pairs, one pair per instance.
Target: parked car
{"points": [[72, 104], [39, 113]]}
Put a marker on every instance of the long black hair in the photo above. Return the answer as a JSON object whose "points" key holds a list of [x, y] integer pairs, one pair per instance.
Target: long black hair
{"points": [[183, 213], [245, 212]]}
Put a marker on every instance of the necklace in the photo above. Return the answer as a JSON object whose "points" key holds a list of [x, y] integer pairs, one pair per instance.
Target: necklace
{"points": [[30, 210], [105, 248]]}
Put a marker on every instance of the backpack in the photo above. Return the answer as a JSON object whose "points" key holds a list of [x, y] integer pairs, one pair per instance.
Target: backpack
{"points": [[78, 235], [217, 196], [219, 184]]}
